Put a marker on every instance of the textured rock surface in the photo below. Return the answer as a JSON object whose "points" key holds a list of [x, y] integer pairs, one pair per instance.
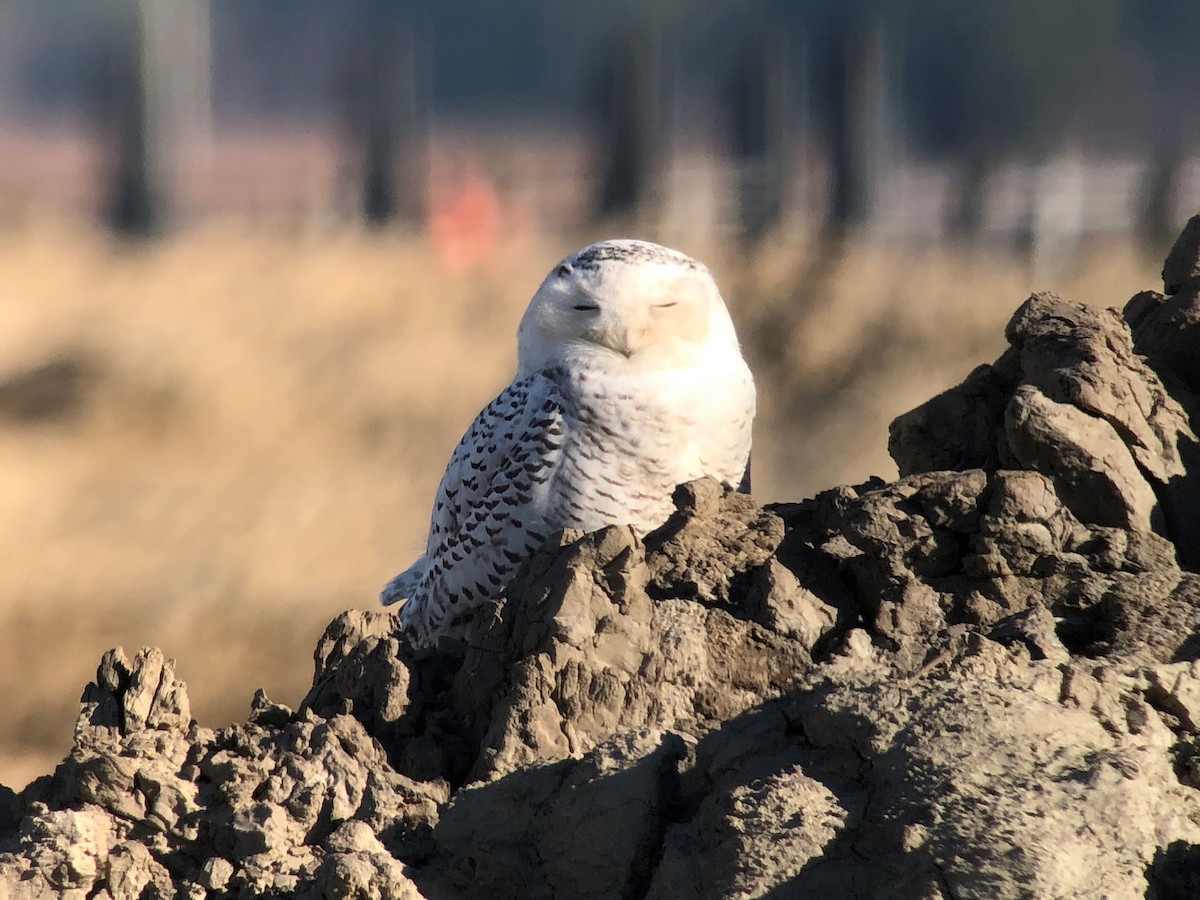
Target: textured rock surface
{"points": [[979, 681], [1106, 406]]}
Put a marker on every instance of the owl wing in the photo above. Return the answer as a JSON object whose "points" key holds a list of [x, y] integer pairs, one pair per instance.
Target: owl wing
{"points": [[488, 515], [744, 486], [727, 408]]}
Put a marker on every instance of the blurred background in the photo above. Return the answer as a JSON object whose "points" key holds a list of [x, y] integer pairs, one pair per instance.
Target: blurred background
{"points": [[261, 261]]}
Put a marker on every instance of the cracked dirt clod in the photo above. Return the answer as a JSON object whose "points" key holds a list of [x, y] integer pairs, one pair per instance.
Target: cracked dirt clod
{"points": [[981, 680], [1103, 411]]}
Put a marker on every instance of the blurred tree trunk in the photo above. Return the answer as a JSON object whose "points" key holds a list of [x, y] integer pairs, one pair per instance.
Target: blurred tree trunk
{"points": [[968, 218], [631, 99], [1156, 224], [1058, 198], [858, 115], [760, 102], [156, 88], [131, 105], [387, 115]]}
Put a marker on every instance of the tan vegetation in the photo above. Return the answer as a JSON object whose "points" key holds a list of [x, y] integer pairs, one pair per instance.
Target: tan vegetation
{"points": [[246, 425]]}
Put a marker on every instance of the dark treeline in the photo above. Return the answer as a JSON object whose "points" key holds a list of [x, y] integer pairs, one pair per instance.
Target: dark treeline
{"points": [[970, 73], [972, 82]]}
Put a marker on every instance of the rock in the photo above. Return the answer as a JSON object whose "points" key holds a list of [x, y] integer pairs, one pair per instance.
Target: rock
{"points": [[784, 605], [589, 653], [1074, 399], [1183, 262], [1166, 330], [1092, 468], [579, 828], [1076, 355], [760, 820], [983, 678], [958, 430], [129, 697], [359, 866], [1154, 615], [968, 777], [150, 805], [710, 545], [10, 810], [948, 785], [1034, 629]]}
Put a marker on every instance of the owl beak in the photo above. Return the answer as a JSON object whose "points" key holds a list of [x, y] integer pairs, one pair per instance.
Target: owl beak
{"points": [[622, 335], [622, 341], [621, 344]]}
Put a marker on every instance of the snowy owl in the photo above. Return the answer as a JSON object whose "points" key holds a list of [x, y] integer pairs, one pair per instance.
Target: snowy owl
{"points": [[629, 381]]}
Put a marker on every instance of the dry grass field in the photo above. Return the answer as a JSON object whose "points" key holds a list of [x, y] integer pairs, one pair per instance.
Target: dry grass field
{"points": [[215, 443]]}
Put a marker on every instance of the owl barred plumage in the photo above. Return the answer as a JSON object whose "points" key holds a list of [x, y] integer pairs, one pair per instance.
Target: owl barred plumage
{"points": [[630, 381]]}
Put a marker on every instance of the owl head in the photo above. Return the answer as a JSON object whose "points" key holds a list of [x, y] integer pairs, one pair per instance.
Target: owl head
{"points": [[628, 303]]}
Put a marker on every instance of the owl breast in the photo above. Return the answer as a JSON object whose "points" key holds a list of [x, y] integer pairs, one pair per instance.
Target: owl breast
{"points": [[632, 437]]}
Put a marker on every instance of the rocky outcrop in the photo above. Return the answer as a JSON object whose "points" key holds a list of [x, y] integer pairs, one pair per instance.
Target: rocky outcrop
{"points": [[980, 680]]}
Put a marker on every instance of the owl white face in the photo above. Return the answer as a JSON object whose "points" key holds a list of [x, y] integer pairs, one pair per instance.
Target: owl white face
{"points": [[636, 302]]}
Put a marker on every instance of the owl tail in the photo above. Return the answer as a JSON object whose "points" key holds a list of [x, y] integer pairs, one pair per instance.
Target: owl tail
{"points": [[402, 586]]}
